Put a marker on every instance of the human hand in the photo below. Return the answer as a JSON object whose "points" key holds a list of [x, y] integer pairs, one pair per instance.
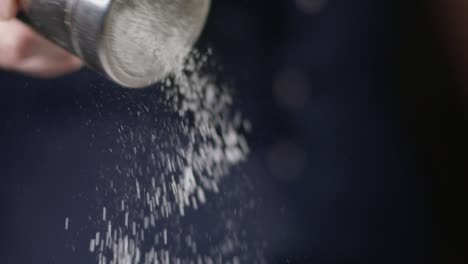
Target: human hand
{"points": [[23, 50]]}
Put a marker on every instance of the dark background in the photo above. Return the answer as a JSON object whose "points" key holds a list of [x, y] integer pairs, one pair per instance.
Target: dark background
{"points": [[381, 133]]}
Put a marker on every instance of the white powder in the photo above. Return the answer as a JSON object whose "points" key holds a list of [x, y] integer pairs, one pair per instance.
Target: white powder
{"points": [[169, 172]]}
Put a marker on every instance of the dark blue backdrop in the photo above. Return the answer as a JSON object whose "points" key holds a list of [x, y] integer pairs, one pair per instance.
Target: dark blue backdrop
{"points": [[357, 199]]}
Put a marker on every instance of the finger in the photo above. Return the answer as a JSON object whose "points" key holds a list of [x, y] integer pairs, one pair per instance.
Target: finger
{"points": [[8, 9], [16, 42], [49, 67], [24, 50], [47, 60]]}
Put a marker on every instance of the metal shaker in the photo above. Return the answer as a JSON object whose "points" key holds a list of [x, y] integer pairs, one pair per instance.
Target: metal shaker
{"points": [[133, 42]]}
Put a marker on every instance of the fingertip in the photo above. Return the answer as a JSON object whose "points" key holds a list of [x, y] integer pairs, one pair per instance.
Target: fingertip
{"points": [[8, 9], [75, 62]]}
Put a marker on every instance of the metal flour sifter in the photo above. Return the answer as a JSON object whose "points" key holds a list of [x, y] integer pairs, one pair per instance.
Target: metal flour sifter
{"points": [[133, 42]]}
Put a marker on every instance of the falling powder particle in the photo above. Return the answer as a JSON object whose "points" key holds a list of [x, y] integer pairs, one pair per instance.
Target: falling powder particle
{"points": [[172, 167], [92, 245], [67, 222], [104, 214], [138, 189]]}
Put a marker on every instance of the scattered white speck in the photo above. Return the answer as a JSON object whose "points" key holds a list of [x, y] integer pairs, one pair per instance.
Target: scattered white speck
{"points": [[138, 189], [170, 169], [67, 222], [92, 245], [104, 214]]}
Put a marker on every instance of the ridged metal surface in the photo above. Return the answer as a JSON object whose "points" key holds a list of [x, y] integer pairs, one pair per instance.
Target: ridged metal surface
{"points": [[85, 28]]}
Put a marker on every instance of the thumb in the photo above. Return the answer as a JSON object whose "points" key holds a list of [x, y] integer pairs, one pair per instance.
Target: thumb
{"points": [[8, 9]]}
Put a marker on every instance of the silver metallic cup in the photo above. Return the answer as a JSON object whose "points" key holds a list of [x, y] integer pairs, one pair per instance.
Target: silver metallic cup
{"points": [[83, 28]]}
